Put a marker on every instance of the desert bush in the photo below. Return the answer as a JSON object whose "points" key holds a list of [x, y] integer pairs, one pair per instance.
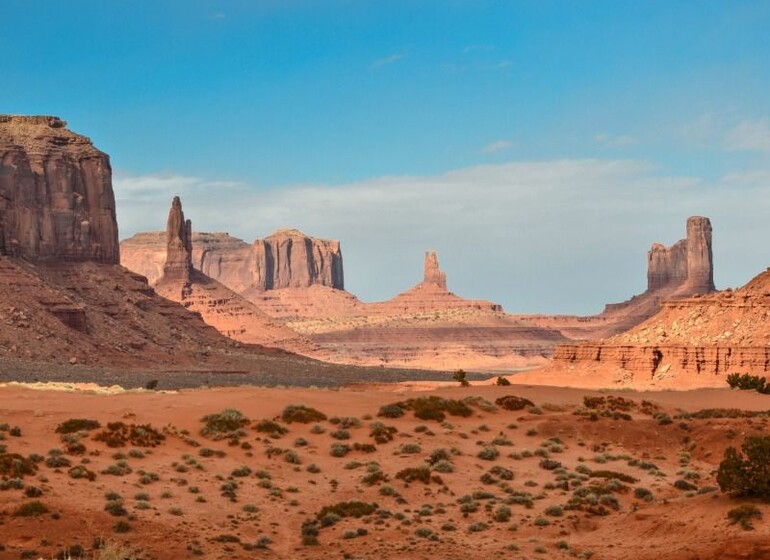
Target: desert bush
{"points": [[488, 453], [421, 474], [345, 422], [502, 381], [612, 474], [364, 447], [223, 424], [74, 425], [347, 509], [643, 494], [744, 515], [460, 377], [409, 448], [79, 471], [748, 382], [747, 474], [31, 509], [427, 408], [273, 429], [118, 434], [549, 464], [13, 464], [394, 410], [339, 449], [382, 433], [302, 414], [512, 402]]}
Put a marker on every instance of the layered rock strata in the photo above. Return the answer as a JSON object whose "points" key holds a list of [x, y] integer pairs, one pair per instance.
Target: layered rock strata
{"points": [[56, 198], [286, 259], [684, 269], [220, 307], [695, 341]]}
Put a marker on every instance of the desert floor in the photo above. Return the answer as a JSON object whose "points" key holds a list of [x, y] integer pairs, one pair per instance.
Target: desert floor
{"points": [[632, 477]]}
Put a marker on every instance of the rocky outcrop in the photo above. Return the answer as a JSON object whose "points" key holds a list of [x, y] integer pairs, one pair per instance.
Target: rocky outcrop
{"points": [[687, 266], [695, 341], [682, 270], [225, 310], [433, 274], [291, 259], [286, 259], [56, 197], [178, 266]]}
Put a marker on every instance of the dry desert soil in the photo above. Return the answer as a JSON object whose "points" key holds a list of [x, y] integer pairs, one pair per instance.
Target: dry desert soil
{"points": [[622, 475]]}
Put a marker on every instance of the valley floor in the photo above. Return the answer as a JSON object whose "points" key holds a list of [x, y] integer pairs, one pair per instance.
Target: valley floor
{"points": [[626, 475]]}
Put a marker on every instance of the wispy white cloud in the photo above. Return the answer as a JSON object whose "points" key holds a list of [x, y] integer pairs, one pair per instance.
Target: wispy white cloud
{"points": [[749, 135], [614, 141], [380, 62], [497, 146], [218, 15]]}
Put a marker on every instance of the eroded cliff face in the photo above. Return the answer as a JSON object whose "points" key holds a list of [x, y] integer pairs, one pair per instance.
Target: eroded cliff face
{"points": [[56, 197], [291, 259], [695, 341], [687, 266], [286, 259]]}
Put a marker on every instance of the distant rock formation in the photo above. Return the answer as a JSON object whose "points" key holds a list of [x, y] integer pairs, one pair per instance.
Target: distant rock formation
{"points": [[219, 306], [433, 274], [694, 341], [687, 266], [178, 266], [682, 270], [291, 259], [286, 259], [430, 295], [56, 197]]}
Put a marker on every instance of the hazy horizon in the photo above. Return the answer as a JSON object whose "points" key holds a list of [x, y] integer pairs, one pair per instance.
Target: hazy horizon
{"points": [[540, 148]]}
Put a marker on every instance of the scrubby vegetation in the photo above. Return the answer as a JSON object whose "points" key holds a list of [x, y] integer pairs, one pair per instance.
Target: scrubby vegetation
{"points": [[748, 382], [118, 434], [302, 414], [747, 474]]}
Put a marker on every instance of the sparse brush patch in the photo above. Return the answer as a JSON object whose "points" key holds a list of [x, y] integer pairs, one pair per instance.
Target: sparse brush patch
{"points": [[747, 474], [74, 425], [31, 509], [382, 433], [643, 494], [748, 382], [502, 382], [339, 449], [364, 447], [512, 402], [488, 453], [409, 448], [118, 434], [612, 474], [345, 422], [274, 429], [302, 414], [744, 515], [79, 471], [421, 474], [15, 465], [348, 509], [223, 424], [427, 408]]}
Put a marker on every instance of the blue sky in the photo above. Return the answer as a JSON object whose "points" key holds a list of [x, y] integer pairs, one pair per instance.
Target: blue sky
{"points": [[539, 146]]}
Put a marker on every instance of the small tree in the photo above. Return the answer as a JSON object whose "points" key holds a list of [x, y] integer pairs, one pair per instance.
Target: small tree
{"points": [[459, 376], [747, 474]]}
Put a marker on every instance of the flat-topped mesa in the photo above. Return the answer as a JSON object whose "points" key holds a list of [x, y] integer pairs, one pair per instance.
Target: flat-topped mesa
{"points": [[56, 197], [687, 266], [178, 267], [433, 274], [291, 259]]}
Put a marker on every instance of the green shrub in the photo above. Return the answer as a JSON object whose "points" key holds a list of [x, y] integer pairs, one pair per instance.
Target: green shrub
{"points": [[747, 474], [347, 509], [743, 515], [512, 402], [302, 414], [748, 382], [228, 421], [274, 429], [74, 425], [502, 381], [31, 509]]}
